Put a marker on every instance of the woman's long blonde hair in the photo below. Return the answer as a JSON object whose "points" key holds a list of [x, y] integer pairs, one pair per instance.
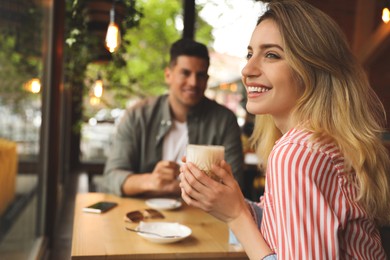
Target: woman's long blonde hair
{"points": [[337, 102]]}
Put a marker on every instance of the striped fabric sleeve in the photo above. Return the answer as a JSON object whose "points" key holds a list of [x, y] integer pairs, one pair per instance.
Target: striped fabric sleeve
{"points": [[310, 210], [305, 201]]}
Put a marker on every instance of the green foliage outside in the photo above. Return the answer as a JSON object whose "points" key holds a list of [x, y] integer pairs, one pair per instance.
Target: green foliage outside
{"points": [[82, 44], [137, 68], [20, 56]]}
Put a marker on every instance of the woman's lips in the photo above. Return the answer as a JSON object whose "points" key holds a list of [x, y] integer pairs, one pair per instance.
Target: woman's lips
{"points": [[258, 89], [254, 91]]}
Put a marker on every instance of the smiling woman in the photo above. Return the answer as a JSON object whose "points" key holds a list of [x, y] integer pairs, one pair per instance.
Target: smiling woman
{"points": [[327, 168]]}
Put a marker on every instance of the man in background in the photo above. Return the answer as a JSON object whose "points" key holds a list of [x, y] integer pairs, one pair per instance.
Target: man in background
{"points": [[152, 136]]}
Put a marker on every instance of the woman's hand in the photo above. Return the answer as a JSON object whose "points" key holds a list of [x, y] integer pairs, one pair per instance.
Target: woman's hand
{"points": [[223, 199]]}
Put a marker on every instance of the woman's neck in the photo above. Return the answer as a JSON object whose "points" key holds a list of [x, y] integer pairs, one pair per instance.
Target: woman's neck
{"points": [[284, 124]]}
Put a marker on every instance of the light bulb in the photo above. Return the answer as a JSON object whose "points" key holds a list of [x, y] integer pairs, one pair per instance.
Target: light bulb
{"points": [[33, 85], [98, 88], [113, 36], [386, 15]]}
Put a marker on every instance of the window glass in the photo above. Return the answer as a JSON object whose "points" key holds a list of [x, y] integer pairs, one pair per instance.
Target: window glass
{"points": [[22, 37]]}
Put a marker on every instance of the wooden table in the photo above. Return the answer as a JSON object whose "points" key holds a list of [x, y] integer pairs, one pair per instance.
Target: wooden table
{"points": [[103, 236]]}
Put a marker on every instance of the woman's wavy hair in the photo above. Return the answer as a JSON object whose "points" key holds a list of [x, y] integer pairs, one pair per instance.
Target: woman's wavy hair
{"points": [[337, 101]]}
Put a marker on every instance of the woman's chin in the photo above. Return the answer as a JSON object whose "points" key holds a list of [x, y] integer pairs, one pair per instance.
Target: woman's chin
{"points": [[254, 108]]}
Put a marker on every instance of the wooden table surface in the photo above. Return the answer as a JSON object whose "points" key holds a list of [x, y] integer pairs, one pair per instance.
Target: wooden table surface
{"points": [[103, 236]]}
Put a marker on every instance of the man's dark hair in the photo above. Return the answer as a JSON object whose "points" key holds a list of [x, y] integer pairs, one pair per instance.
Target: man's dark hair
{"points": [[188, 47]]}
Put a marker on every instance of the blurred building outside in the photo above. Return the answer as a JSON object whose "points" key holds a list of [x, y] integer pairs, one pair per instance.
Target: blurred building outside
{"points": [[23, 128]]}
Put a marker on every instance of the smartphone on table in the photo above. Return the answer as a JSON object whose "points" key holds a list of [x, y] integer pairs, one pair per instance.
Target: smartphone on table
{"points": [[100, 207]]}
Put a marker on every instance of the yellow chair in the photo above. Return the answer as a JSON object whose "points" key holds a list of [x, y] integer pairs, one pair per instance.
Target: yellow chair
{"points": [[8, 171]]}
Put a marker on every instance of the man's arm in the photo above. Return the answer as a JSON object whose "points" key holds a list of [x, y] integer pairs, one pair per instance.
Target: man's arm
{"points": [[121, 176], [123, 156], [162, 181]]}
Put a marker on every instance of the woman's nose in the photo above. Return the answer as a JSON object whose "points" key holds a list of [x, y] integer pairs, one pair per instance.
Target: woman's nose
{"points": [[244, 71], [251, 68]]}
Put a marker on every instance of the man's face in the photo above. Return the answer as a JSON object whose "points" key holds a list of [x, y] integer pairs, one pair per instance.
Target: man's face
{"points": [[187, 81]]}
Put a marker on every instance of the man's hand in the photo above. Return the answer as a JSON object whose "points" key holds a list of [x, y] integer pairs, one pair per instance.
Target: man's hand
{"points": [[162, 181], [164, 177]]}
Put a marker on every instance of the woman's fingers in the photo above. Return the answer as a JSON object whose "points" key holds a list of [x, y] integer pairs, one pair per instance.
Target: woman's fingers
{"points": [[188, 199], [224, 172], [197, 188], [198, 178], [190, 183], [222, 200], [190, 195]]}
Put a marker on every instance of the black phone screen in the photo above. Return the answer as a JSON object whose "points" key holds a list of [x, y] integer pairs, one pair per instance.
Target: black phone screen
{"points": [[100, 207]]}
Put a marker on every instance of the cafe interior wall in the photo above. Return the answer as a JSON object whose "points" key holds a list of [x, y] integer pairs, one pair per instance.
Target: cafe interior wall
{"points": [[369, 38]]}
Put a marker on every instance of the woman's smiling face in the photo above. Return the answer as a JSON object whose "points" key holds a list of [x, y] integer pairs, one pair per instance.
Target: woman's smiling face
{"points": [[270, 83]]}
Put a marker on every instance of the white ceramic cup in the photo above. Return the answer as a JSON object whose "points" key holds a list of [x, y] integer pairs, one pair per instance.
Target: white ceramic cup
{"points": [[203, 156]]}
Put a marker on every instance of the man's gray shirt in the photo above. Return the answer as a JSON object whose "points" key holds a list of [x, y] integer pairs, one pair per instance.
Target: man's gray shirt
{"points": [[137, 146]]}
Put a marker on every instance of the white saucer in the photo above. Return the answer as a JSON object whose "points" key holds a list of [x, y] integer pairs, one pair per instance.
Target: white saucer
{"points": [[163, 204], [163, 228]]}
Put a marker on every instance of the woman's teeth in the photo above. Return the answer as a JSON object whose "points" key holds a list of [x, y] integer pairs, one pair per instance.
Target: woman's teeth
{"points": [[258, 89]]}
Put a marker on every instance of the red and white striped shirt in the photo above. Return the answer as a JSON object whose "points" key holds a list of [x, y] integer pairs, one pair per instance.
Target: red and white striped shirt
{"points": [[309, 206]]}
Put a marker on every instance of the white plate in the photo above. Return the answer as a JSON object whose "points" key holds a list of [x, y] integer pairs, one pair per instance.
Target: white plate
{"points": [[165, 229], [163, 204]]}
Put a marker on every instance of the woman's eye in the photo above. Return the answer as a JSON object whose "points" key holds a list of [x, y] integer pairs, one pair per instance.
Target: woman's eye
{"points": [[248, 56], [272, 55]]}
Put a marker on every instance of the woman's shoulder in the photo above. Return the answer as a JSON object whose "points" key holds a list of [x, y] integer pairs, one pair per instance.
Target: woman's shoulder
{"points": [[296, 136], [304, 148], [310, 141]]}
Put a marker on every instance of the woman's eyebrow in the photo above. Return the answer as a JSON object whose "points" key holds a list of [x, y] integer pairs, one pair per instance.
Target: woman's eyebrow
{"points": [[267, 46], [271, 45]]}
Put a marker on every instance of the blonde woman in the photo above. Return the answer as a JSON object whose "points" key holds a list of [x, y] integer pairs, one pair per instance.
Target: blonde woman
{"points": [[319, 124]]}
